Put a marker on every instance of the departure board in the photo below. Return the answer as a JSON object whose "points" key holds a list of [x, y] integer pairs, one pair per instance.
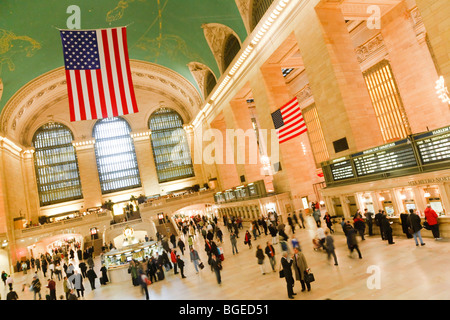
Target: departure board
{"points": [[434, 146], [342, 170], [392, 156]]}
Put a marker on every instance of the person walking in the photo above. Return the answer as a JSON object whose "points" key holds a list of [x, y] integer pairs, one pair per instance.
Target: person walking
{"points": [[91, 275], [104, 279], [369, 219], [78, 284], [83, 268], [144, 282], [195, 258], [67, 286], [274, 233], [415, 226], [248, 239], [219, 234], [180, 264], [36, 287], [260, 258], [181, 245], [329, 247], [291, 223], [233, 240], [328, 222], [300, 267], [12, 295], [216, 267], [9, 281], [359, 225], [286, 265], [432, 218], [270, 252], [4, 277], [51, 285], [352, 242]]}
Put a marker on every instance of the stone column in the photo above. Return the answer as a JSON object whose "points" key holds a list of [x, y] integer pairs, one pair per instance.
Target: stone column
{"points": [[32, 194], [90, 181], [435, 15], [444, 192], [414, 71], [345, 207], [342, 100], [298, 169]]}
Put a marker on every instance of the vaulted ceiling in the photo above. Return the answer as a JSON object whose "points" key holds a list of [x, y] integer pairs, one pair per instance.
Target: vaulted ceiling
{"points": [[166, 32]]}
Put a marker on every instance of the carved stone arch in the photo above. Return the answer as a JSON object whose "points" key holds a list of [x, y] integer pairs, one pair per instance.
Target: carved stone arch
{"points": [[244, 9], [216, 35], [200, 72]]}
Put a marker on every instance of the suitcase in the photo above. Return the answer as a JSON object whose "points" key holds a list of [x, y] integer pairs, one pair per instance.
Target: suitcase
{"points": [[160, 275]]}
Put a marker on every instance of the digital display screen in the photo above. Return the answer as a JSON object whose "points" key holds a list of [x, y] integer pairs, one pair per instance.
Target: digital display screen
{"points": [[433, 148], [342, 170], [393, 156]]}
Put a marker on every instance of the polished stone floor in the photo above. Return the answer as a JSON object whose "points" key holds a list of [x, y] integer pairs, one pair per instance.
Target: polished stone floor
{"points": [[398, 271]]}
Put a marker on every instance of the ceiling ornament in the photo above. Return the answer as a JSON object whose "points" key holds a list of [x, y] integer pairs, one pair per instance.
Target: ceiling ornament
{"points": [[199, 71], [244, 9], [216, 34]]}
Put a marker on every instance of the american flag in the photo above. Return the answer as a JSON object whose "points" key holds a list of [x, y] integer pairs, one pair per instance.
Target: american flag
{"points": [[98, 73], [288, 121]]}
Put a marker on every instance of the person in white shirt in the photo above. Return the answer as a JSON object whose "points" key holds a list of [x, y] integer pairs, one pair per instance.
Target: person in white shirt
{"points": [[321, 236]]}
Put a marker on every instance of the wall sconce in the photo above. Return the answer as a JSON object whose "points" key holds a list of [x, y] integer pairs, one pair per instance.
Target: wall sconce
{"points": [[402, 196], [427, 194], [381, 199]]}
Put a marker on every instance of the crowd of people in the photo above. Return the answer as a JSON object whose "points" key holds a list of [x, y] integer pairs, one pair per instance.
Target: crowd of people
{"points": [[292, 266], [67, 263]]}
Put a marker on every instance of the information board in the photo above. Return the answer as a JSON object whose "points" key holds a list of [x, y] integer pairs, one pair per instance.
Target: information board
{"points": [[434, 146], [393, 156], [342, 170]]}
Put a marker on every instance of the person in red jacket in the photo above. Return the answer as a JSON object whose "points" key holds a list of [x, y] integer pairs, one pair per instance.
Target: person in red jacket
{"points": [[432, 219], [173, 257]]}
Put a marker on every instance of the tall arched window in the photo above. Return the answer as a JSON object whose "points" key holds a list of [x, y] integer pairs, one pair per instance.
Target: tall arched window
{"points": [[259, 8], [210, 83], [116, 159], [170, 147], [231, 49], [56, 165]]}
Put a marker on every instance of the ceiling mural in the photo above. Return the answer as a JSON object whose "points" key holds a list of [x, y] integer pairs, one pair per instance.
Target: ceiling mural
{"points": [[166, 32]]}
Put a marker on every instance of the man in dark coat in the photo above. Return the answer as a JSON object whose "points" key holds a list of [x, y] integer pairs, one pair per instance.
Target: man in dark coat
{"points": [[181, 245], [404, 220], [181, 266], [415, 224], [173, 240], [352, 243], [386, 224], [83, 269], [91, 275], [369, 219], [378, 218], [286, 264]]}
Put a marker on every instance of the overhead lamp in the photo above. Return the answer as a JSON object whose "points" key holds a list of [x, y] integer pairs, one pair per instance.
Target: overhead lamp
{"points": [[402, 196], [381, 199]]}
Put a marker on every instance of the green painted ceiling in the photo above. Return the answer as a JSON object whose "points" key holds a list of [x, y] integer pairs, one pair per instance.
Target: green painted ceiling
{"points": [[30, 44]]}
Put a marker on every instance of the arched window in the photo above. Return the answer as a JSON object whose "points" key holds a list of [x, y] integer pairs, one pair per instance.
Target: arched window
{"points": [[116, 159], [231, 49], [56, 165], [210, 83], [170, 146], [259, 8]]}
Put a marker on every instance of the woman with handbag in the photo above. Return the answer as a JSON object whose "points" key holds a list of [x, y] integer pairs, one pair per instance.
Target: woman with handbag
{"points": [[248, 239], [300, 267], [414, 227]]}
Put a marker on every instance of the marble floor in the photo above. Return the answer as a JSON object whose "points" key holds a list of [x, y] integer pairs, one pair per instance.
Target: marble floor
{"points": [[398, 271]]}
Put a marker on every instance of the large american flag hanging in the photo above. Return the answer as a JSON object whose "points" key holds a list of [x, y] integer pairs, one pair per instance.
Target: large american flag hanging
{"points": [[98, 73], [288, 121]]}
